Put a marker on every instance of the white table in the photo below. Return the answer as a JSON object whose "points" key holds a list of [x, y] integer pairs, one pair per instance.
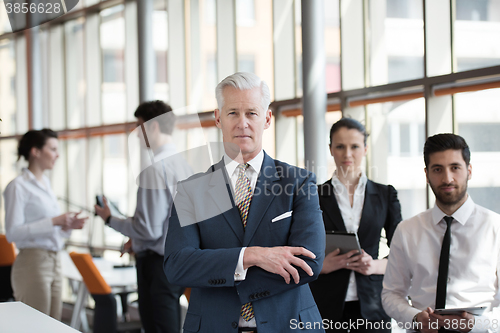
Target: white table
{"points": [[17, 317], [119, 279]]}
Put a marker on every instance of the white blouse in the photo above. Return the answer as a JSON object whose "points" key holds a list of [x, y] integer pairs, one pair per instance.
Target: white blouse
{"points": [[30, 206], [351, 217]]}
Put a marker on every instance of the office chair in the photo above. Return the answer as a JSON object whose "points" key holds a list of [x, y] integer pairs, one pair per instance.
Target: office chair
{"points": [[7, 257], [105, 317]]}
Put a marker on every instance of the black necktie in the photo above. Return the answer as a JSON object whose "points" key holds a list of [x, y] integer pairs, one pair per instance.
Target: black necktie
{"points": [[444, 260]]}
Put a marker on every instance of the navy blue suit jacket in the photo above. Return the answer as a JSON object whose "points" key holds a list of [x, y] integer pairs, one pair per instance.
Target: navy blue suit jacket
{"points": [[203, 252]]}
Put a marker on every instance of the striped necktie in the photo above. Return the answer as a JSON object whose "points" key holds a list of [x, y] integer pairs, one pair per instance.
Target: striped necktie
{"points": [[243, 198]]}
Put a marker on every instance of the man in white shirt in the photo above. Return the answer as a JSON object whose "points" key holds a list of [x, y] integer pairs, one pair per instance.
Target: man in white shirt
{"points": [[448, 256]]}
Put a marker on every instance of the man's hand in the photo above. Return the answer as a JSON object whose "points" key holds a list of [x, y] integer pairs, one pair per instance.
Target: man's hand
{"points": [[69, 221], [427, 324], [335, 261], [127, 248], [463, 323], [365, 265], [103, 212], [278, 260]]}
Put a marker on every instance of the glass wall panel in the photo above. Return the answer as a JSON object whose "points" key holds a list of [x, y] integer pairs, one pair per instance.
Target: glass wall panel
{"points": [[8, 87], [94, 171], [298, 48], [395, 33], [476, 30], [56, 86], [330, 119], [21, 84], [9, 169], [332, 45], [77, 183], [160, 44], [113, 65], [75, 73], [254, 39], [395, 151], [59, 176], [115, 176], [477, 116], [4, 19]]}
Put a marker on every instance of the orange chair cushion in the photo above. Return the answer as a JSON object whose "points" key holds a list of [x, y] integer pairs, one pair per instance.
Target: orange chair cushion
{"points": [[91, 276], [7, 252]]}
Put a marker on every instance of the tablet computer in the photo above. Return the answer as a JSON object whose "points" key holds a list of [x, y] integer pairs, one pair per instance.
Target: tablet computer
{"points": [[476, 311], [345, 241]]}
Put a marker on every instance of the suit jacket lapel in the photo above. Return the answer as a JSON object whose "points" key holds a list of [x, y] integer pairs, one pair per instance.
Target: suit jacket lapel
{"points": [[232, 216], [369, 210], [262, 197], [331, 208]]}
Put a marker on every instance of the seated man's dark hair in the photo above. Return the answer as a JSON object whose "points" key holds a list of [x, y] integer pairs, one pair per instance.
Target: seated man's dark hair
{"points": [[445, 141]]}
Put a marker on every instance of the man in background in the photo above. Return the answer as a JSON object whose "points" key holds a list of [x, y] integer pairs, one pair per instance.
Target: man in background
{"points": [[158, 299]]}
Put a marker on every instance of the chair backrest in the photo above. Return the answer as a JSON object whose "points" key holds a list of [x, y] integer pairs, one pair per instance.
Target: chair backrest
{"points": [[91, 276], [7, 252]]}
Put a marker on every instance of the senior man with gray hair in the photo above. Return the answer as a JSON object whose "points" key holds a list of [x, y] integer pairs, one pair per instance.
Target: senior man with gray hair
{"points": [[247, 235]]}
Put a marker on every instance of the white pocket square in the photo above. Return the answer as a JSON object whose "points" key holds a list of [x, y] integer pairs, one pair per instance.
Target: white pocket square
{"points": [[282, 216]]}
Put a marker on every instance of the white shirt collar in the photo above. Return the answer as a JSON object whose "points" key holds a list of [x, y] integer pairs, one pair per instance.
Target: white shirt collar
{"points": [[461, 215], [255, 163], [361, 183], [44, 184]]}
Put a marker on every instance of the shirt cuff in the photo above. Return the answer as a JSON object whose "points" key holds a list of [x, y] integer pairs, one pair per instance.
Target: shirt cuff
{"points": [[240, 274]]}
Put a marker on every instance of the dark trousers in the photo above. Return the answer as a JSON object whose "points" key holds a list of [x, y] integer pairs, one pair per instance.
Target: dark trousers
{"points": [[158, 299], [349, 322]]}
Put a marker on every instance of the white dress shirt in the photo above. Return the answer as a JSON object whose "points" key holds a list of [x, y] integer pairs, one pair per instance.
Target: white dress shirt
{"points": [[30, 206], [473, 268], [351, 217], [252, 173]]}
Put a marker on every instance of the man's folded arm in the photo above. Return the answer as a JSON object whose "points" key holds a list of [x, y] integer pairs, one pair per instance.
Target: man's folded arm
{"points": [[308, 232]]}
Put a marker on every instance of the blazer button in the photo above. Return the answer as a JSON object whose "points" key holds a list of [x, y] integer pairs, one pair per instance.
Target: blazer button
{"points": [[223, 280], [234, 324], [267, 293]]}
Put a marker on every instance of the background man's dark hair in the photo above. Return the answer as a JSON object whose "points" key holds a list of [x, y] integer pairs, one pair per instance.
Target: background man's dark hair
{"points": [[348, 123], [445, 141], [33, 138], [149, 110]]}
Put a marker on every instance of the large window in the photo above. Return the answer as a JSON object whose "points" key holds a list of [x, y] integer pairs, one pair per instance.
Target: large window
{"points": [[75, 73], [374, 50], [396, 142], [255, 54], [113, 65], [478, 122], [396, 41], [8, 87], [477, 27]]}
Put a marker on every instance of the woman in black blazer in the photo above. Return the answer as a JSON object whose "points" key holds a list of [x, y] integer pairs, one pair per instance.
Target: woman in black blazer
{"points": [[350, 284]]}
